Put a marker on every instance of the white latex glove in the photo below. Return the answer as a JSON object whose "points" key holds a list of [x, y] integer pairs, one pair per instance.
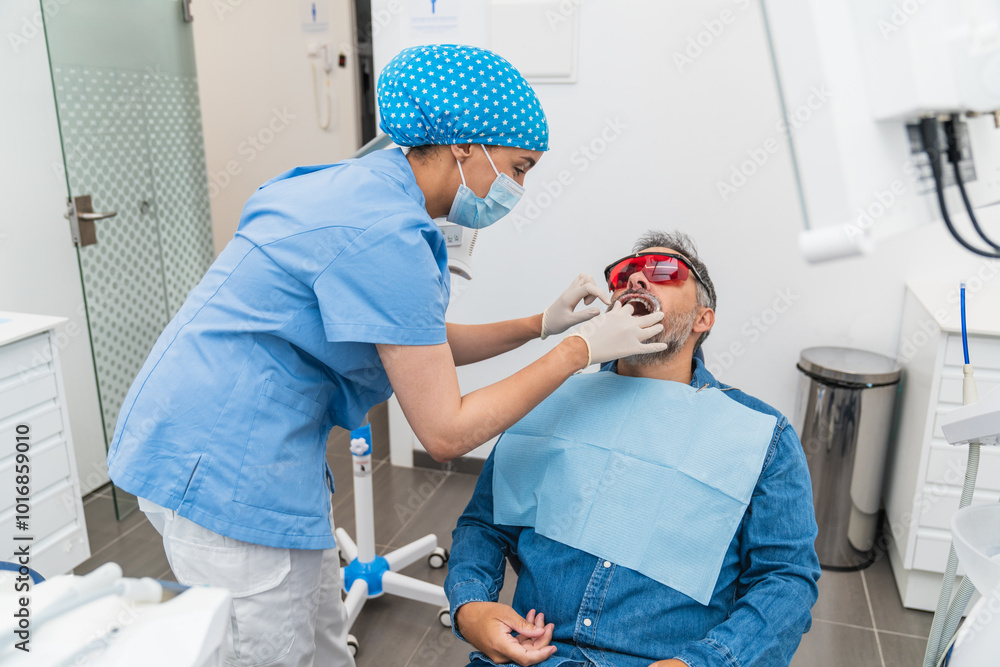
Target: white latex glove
{"points": [[617, 334], [562, 314]]}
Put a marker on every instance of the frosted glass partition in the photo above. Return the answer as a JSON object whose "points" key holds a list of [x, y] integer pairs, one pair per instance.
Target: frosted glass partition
{"points": [[127, 100]]}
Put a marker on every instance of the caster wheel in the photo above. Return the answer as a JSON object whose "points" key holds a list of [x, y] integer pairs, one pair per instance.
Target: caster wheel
{"points": [[444, 617], [352, 644], [437, 558]]}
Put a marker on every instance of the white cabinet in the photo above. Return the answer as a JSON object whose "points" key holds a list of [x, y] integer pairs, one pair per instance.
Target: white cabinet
{"points": [[925, 474], [33, 421]]}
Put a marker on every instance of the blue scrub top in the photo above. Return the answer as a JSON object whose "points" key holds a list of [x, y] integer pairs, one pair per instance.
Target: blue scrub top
{"points": [[228, 419]]}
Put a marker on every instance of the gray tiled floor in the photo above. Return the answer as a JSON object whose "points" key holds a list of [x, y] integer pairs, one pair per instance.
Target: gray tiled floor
{"points": [[857, 621]]}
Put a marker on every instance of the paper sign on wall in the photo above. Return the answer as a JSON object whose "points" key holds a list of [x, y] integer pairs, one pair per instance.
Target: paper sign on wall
{"points": [[433, 21], [315, 15]]}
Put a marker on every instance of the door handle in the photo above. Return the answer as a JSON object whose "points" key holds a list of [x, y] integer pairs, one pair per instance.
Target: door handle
{"points": [[95, 216], [81, 216]]}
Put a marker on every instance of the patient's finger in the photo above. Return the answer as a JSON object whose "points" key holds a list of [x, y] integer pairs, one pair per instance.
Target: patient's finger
{"points": [[531, 656], [544, 640], [547, 637], [513, 620]]}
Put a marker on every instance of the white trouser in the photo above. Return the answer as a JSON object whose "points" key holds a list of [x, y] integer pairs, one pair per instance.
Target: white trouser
{"points": [[287, 610]]}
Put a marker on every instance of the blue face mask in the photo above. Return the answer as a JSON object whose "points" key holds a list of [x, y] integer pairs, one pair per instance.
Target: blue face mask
{"points": [[475, 212]]}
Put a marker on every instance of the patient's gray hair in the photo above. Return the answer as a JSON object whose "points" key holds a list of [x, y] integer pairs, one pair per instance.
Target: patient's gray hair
{"points": [[683, 244]]}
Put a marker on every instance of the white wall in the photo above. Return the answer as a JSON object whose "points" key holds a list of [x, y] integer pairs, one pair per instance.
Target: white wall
{"points": [[39, 272], [256, 93], [670, 133]]}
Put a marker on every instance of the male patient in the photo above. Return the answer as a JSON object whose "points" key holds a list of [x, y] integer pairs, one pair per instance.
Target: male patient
{"points": [[654, 516]]}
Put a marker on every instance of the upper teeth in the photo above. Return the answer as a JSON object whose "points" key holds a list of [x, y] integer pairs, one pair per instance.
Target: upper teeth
{"points": [[642, 299]]}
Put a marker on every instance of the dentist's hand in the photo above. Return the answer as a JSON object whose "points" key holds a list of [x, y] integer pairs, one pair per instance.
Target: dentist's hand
{"points": [[616, 334], [489, 626], [561, 315]]}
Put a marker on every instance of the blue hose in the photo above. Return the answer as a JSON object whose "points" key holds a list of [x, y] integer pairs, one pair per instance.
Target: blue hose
{"points": [[14, 567], [965, 335]]}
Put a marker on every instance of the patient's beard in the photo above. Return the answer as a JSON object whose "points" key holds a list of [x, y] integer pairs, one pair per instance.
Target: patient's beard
{"points": [[676, 329]]}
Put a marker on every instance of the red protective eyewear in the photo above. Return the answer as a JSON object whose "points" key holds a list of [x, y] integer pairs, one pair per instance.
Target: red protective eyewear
{"points": [[658, 267]]}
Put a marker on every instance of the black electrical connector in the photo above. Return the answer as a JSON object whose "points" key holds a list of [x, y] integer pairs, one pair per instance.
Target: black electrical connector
{"points": [[930, 133], [955, 157]]}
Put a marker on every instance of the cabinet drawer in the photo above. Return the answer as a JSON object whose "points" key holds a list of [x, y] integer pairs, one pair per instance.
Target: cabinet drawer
{"points": [[24, 355], [61, 552], [984, 351], [51, 510], [45, 422], [946, 465], [951, 384], [938, 505], [49, 465], [931, 551], [30, 392]]}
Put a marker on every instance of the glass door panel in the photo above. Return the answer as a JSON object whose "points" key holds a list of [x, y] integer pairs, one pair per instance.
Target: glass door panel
{"points": [[127, 100]]}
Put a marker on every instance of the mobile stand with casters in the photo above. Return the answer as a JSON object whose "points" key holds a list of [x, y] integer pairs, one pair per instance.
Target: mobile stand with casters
{"points": [[367, 575]]}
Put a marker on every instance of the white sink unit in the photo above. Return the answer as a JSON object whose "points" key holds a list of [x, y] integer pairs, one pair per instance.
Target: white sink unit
{"points": [[924, 473], [32, 396]]}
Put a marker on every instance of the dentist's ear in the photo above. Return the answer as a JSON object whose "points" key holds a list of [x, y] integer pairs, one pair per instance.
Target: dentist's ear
{"points": [[461, 152]]}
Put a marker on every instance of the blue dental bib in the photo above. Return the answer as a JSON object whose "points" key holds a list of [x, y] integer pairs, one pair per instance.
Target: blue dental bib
{"points": [[650, 474]]}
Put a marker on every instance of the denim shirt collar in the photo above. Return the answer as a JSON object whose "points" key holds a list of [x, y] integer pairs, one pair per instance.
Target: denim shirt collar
{"points": [[700, 376]]}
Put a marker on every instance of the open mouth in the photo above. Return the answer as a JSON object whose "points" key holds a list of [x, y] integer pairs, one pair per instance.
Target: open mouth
{"points": [[642, 304]]}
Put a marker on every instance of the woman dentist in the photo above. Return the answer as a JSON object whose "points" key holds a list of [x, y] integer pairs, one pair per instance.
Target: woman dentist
{"points": [[330, 297]]}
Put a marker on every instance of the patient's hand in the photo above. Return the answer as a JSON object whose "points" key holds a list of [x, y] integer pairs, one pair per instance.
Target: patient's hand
{"points": [[673, 662], [489, 626]]}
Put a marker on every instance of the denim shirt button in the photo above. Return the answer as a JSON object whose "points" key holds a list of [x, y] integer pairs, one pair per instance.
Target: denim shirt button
{"points": [[587, 622], [607, 563]]}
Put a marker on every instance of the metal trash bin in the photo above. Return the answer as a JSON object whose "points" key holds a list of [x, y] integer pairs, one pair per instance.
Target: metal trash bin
{"points": [[844, 416]]}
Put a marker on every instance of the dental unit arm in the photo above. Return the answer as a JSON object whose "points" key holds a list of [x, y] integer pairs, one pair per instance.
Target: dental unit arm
{"points": [[976, 423], [107, 619]]}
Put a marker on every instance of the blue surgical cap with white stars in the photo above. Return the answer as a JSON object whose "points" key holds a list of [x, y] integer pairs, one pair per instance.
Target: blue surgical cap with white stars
{"points": [[453, 94]]}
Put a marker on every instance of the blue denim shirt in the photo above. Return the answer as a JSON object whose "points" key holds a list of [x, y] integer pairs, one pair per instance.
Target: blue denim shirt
{"points": [[610, 616]]}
